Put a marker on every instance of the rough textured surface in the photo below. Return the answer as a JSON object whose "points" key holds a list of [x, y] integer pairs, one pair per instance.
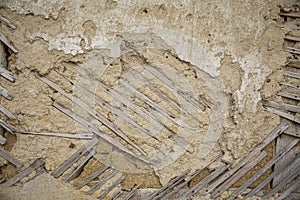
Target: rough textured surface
{"points": [[229, 53]]}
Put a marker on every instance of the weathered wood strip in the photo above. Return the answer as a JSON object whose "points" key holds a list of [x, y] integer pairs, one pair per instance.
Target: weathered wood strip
{"points": [[11, 159], [5, 93], [179, 187], [83, 136], [292, 74], [293, 130], [7, 113], [289, 95], [93, 113], [292, 38], [102, 182], [39, 173], [38, 163], [7, 74], [93, 129], [75, 157], [293, 62], [281, 169], [284, 182], [223, 187], [8, 43], [290, 85], [291, 14], [292, 25], [263, 169], [292, 50], [170, 188], [293, 186], [131, 193], [167, 186], [276, 132], [2, 140], [159, 75], [7, 127], [116, 195], [2, 179], [77, 169], [283, 114], [204, 182], [93, 176], [115, 184], [294, 195], [7, 22], [281, 142], [284, 106]]}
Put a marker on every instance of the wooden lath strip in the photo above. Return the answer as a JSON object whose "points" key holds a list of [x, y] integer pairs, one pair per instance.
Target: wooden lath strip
{"points": [[289, 95], [166, 187], [95, 130], [290, 85], [263, 170], [283, 114], [7, 22], [7, 113], [292, 38], [115, 184], [116, 195], [7, 127], [11, 159], [38, 163], [38, 173], [92, 112], [284, 106], [2, 179], [292, 50], [169, 188], [284, 182], [204, 182], [228, 183], [131, 193], [7, 74], [76, 171], [83, 136], [292, 62], [2, 140], [292, 74], [93, 176], [276, 132], [197, 172], [75, 157], [8, 43], [291, 14], [293, 130], [292, 25], [293, 186], [274, 174], [102, 182], [5, 93]]}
